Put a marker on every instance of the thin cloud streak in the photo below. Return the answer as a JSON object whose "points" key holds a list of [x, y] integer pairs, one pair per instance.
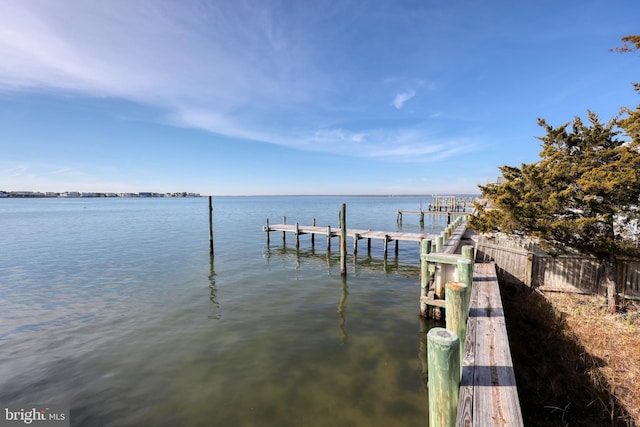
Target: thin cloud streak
{"points": [[233, 69], [402, 97]]}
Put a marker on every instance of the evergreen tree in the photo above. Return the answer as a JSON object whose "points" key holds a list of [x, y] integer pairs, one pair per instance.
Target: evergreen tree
{"points": [[631, 123], [582, 193]]}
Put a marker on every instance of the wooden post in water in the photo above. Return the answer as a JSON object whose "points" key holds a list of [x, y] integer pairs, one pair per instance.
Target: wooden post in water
{"points": [[297, 235], [313, 236], [268, 232], [443, 359], [386, 246], [284, 233], [457, 312], [211, 226], [425, 275], [343, 239], [328, 238]]}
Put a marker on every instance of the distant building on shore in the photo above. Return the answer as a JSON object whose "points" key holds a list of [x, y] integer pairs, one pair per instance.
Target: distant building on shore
{"points": [[74, 194]]}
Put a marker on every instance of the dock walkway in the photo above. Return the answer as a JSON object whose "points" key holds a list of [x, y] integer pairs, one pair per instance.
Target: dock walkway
{"points": [[488, 392]]}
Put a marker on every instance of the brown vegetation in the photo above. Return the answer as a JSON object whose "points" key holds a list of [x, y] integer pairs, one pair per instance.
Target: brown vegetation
{"points": [[575, 363]]}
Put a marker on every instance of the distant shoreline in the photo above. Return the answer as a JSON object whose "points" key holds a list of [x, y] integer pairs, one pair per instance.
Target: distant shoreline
{"points": [[78, 195], [73, 195]]}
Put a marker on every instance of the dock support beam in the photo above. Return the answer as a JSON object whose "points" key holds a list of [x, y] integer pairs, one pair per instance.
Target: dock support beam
{"points": [[425, 275]]}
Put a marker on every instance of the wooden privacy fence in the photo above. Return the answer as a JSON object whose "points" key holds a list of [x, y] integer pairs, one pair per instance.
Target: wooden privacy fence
{"points": [[565, 273]]}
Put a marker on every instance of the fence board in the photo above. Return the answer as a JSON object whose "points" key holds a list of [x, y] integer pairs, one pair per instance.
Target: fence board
{"points": [[515, 262]]}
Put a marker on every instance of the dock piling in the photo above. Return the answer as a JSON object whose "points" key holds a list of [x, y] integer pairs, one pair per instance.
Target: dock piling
{"points": [[343, 239], [211, 226], [425, 276], [284, 234], [268, 230], [443, 359]]}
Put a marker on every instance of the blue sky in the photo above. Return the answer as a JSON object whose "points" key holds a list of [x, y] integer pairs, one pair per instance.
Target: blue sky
{"points": [[297, 97]]}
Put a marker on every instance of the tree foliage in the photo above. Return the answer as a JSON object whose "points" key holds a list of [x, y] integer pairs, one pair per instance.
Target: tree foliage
{"points": [[631, 123], [580, 194]]}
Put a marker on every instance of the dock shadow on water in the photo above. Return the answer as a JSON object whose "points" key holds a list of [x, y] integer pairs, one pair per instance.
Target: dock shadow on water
{"points": [[554, 373]]}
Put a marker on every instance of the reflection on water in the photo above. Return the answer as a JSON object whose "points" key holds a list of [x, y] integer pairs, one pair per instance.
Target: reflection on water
{"points": [[213, 296], [342, 308]]}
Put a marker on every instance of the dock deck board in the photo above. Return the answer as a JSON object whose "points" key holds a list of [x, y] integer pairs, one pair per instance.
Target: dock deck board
{"points": [[488, 392]]}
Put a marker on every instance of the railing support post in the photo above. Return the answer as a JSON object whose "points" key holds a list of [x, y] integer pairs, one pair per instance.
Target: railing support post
{"points": [[457, 312], [465, 275]]}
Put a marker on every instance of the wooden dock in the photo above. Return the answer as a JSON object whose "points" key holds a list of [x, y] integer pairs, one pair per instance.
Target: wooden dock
{"points": [[356, 234], [483, 378], [450, 206]]}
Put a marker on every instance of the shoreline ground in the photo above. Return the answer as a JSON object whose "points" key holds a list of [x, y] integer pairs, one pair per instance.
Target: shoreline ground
{"points": [[575, 364]]}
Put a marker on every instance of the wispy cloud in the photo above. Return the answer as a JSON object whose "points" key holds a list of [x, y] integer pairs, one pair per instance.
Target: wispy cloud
{"points": [[402, 97], [238, 69]]}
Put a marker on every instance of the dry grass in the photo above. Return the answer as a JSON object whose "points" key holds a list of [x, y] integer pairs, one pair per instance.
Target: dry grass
{"points": [[575, 364], [613, 341]]}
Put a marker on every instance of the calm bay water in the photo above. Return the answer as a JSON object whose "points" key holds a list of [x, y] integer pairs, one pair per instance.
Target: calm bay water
{"points": [[114, 307]]}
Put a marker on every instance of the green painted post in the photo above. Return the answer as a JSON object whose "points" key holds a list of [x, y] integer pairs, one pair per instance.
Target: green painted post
{"points": [[343, 240], [457, 312], [465, 275], [443, 360], [439, 243], [468, 252]]}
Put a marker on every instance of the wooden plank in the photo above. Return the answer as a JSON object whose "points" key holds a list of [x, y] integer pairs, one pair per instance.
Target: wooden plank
{"points": [[429, 300], [442, 258], [488, 388], [465, 403]]}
